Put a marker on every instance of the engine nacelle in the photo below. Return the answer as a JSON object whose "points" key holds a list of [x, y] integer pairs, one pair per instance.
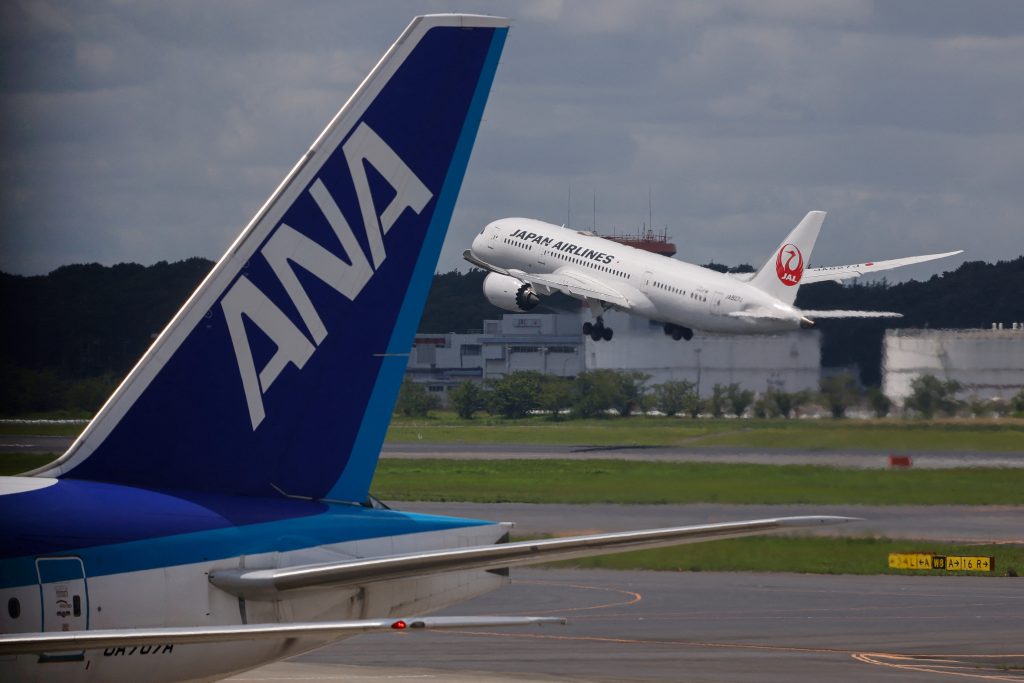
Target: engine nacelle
{"points": [[510, 294]]}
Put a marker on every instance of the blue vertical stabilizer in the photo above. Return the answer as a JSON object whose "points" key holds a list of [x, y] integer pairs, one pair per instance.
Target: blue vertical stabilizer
{"points": [[281, 371]]}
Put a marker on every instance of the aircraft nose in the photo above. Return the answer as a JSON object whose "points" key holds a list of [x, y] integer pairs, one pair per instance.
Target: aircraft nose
{"points": [[478, 243], [481, 238]]}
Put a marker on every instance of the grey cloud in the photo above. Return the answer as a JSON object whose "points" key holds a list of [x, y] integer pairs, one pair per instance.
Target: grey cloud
{"points": [[141, 131]]}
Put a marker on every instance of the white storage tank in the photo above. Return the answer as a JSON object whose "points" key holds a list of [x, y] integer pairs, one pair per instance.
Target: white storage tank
{"points": [[784, 362], [989, 363]]}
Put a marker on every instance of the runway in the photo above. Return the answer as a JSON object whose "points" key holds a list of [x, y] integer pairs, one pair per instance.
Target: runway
{"points": [[960, 523], [851, 458], [847, 458], [710, 627], [715, 627]]}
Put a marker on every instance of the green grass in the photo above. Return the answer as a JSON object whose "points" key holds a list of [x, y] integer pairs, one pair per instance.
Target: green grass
{"points": [[803, 435], [40, 429], [888, 436], [620, 481], [804, 554], [16, 463], [825, 434], [633, 431]]}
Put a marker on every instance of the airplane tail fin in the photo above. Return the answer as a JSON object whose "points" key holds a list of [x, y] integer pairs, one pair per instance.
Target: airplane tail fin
{"points": [[782, 273], [279, 374]]}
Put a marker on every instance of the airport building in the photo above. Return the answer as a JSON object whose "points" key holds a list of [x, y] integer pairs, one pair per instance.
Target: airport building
{"points": [[784, 362], [988, 363], [547, 343], [554, 344]]}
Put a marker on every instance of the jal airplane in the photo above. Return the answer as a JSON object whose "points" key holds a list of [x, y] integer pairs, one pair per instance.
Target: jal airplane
{"points": [[215, 515], [528, 259]]}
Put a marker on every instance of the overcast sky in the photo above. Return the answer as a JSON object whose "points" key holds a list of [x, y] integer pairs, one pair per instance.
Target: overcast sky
{"points": [[148, 131]]}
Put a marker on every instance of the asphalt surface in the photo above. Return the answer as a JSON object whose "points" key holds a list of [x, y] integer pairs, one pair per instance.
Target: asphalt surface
{"points": [[721, 454], [973, 524], [662, 626], [34, 444], [845, 458], [713, 627]]}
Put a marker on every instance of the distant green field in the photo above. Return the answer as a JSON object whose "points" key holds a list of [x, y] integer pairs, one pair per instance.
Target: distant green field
{"points": [[803, 554], [620, 481], [824, 434], [1005, 434], [16, 463], [41, 428]]}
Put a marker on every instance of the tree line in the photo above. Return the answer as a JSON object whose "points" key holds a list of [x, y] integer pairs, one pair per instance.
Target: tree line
{"points": [[621, 393], [70, 336]]}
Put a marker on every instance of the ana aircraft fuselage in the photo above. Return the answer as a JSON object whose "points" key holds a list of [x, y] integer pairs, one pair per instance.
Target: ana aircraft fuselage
{"points": [[110, 557]]}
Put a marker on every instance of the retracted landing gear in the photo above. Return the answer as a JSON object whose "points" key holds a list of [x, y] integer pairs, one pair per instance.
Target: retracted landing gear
{"points": [[678, 332], [597, 331]]}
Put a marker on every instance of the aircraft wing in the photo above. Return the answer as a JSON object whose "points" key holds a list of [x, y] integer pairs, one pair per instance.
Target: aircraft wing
{"points": [[838, 273], [71, 641], [575, 285], [762, 313], [267, 583], [851, 314], [565, 280]]}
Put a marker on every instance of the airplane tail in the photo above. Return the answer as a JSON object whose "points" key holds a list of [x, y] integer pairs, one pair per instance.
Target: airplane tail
{"points": [[279, 374], [782, 274]]}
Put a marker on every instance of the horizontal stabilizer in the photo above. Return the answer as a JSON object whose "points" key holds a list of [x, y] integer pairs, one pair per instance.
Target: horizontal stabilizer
{"points": [[267, 583], [29, 643], [759, 313], [838, 273], [851, 314]]}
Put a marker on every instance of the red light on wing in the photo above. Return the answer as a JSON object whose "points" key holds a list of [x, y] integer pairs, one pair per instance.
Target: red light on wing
{"points": [[399, 625]]}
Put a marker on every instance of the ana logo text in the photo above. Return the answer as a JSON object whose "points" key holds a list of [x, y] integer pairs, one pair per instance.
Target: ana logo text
{"points": [[288, 247], [789, 265]]}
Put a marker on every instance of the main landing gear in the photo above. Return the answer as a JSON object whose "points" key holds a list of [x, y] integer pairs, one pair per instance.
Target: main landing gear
{"points": [[597, 330], [678, 332]]}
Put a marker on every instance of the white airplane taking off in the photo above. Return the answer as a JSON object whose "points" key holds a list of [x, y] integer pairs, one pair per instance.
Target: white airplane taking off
{"points": [[528, 259], [215, 515]]}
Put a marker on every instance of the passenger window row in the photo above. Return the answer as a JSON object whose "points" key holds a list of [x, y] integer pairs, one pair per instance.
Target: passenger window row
{"points": [[590, 264]]}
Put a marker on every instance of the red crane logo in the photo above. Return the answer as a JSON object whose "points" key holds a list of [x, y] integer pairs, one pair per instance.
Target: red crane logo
{"points": [[789, 265]]}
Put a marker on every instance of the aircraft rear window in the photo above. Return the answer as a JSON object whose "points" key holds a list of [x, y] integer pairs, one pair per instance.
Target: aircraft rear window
{"points": [[14, 608]]}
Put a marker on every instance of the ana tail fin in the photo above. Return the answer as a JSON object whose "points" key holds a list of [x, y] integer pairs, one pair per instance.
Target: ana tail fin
{"points": [[782, 273], [280, 373]]}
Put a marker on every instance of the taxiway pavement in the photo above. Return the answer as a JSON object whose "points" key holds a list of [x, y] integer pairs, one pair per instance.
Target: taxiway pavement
{"points": [[851, 458], [712, 627], [846, 458], [966, 523]]}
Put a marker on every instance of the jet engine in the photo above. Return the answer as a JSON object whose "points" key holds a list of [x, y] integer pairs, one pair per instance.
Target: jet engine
{"points": [[510, 294]]}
